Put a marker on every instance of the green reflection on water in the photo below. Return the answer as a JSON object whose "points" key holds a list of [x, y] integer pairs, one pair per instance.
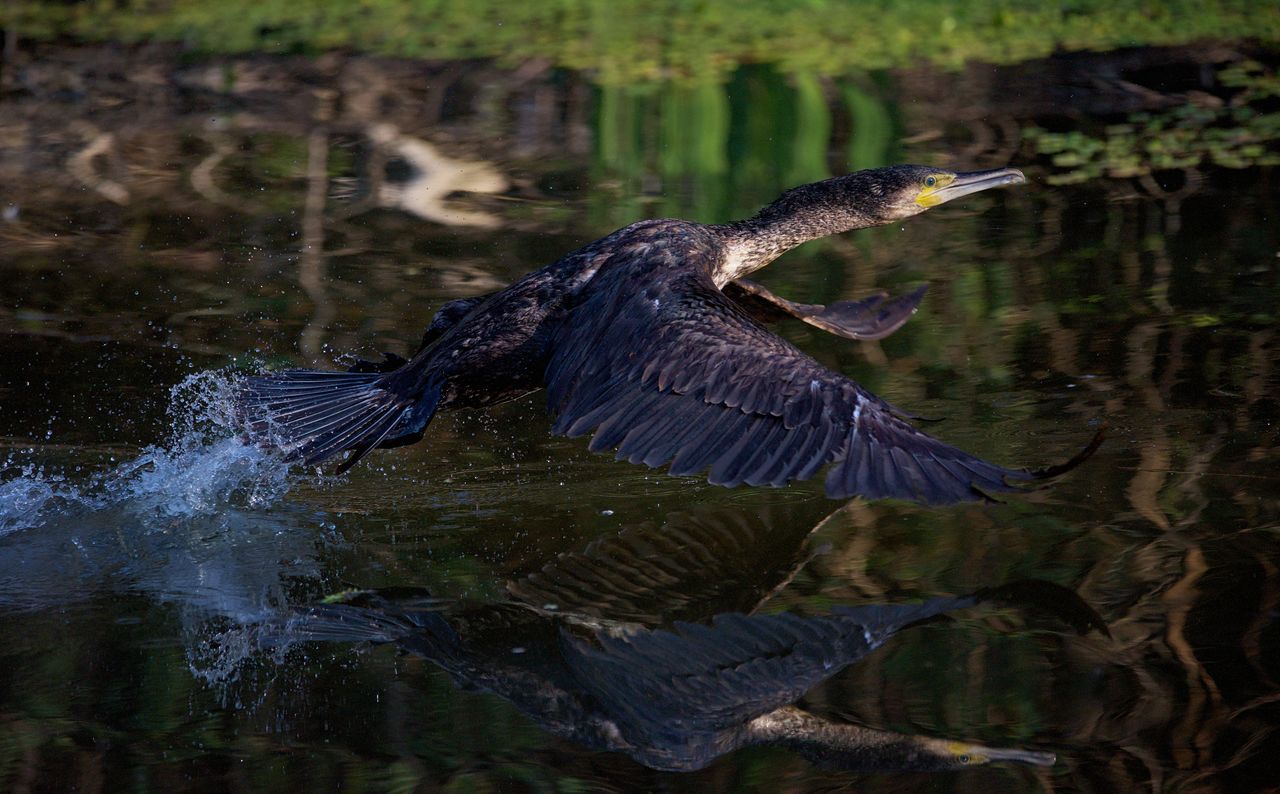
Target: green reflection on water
{"points": [[1239, 131]]}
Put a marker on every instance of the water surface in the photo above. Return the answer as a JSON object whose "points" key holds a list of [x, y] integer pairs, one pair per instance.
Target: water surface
{"points": [[170, 220]]}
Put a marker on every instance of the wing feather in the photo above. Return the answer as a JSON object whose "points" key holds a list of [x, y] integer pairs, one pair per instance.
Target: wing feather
{"points": [[662, 366]]}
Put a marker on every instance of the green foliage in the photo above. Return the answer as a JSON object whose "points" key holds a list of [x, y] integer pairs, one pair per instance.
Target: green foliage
{"points": [[632, 40], [1236, 134]]}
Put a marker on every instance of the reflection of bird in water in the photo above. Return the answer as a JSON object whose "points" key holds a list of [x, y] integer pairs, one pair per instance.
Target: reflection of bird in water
{"points": [[83, 166], [433, 178], [575, 660], [647, 337]]}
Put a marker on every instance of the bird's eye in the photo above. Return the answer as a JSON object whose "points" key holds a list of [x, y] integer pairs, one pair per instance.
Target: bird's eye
{"points": [[930, 181], [964, 759]]}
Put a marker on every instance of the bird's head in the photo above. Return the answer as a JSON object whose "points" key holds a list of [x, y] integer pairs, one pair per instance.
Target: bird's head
{"points": [[900, 191], [874, 197], [854, 201], [946, 754], [855, 747]]}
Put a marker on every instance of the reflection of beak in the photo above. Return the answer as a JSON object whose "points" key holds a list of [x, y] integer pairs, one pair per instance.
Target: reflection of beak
{"points": [[969, 182], [1037, 757]]}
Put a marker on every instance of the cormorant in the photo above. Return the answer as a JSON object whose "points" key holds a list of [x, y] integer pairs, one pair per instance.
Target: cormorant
{"points": [[647, 643], [647, 338]]}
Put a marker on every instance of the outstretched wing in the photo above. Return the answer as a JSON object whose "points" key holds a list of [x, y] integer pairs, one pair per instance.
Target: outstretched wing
{"points": [[662, 366]]}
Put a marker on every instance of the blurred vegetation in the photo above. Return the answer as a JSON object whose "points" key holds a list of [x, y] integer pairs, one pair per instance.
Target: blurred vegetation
{"points": [[1237, 133], [628, 41]]}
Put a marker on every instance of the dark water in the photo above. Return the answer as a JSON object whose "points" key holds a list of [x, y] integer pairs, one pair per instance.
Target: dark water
{"points": [[167, 221]]}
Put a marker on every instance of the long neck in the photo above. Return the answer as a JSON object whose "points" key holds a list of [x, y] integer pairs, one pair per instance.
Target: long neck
{"points": [[849, 746], [798, 216], [857, 748]]}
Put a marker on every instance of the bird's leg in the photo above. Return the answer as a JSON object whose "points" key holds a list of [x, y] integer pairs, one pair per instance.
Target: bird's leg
{"points": [[450, 315], [390, 363]]}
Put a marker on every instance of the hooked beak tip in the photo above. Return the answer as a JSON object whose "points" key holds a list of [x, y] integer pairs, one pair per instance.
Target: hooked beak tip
{"points": [[995, 178], [1033, 757], [968, 183]]}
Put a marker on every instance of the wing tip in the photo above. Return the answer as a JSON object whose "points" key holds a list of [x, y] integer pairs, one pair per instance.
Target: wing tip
{"points": [[1057, 470], [937, 480], [1033, 479]]}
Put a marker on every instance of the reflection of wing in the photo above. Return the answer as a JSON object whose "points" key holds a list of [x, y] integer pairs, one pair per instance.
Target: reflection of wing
{"points": [[703, 678], [873, 317], [660, 364], [690, 568]]}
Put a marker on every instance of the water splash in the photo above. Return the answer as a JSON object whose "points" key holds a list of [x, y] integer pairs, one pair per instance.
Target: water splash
{"points": [[200, 470], [197, 521], [26, 500]]}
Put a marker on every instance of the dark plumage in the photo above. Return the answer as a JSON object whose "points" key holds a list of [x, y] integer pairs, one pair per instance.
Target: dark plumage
{"points": [[648, 339]]}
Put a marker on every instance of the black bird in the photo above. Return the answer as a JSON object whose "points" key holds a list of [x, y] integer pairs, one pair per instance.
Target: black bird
{"points": [[647, 338], [645, 643]]}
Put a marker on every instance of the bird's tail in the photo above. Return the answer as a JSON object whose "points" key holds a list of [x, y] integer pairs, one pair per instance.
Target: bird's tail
{"points": [[367, 616], [312, 415]]}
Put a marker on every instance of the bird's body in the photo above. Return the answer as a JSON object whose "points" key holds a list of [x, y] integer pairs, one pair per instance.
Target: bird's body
{"points": [[500, 349], [648, 337]]}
